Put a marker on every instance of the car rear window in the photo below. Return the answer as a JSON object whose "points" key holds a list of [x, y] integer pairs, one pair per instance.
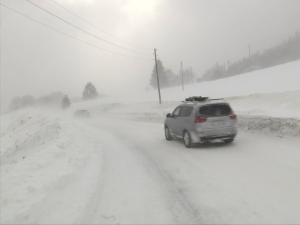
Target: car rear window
{"points": [[215, 110]]}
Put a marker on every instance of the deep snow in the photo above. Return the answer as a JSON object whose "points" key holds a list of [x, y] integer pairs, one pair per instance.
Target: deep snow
{"points": [[116, 167], [59, 170]]}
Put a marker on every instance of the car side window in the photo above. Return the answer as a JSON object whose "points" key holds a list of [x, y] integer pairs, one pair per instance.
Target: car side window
{"points": [[186, 111], [176, 112]]}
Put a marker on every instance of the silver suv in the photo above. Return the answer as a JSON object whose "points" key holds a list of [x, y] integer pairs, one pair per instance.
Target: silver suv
{"points": [[200, 120]]}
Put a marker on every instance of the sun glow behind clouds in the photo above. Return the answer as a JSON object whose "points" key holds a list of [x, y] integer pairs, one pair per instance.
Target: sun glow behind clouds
{"points": [[140, 8], [79, 1]]}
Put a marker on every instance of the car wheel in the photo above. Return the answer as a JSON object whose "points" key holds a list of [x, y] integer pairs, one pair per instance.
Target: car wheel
{"points": [[168, 134], [228, 140], [187, 140]]}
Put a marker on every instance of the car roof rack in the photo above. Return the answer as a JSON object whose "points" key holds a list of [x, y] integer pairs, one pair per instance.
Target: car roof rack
{"points": [[197, 99]]}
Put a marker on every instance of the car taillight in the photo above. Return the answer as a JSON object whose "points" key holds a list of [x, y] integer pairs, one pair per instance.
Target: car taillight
{"points": [[200, 120], [232, 117]]}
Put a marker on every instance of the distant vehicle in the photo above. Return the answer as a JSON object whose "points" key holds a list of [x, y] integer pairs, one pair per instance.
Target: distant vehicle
{"points": [[82, 113], [201, 120]]}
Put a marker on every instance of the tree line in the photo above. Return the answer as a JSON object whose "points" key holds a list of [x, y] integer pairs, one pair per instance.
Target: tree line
{"points": [[53, 99], [167, 78], [287, 51]]}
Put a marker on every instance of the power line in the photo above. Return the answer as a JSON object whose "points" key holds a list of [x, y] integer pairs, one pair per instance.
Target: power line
{"points": [[84, 30], [98, 27], [71, 36]]}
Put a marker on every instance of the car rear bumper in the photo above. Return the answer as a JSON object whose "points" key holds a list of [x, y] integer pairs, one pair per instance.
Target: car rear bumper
{"points": [[210, 138], [213, 134]]}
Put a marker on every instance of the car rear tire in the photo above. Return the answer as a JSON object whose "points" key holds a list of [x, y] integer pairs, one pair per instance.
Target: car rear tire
{"points": [[168, 134], [187, 140], [228, 141]]}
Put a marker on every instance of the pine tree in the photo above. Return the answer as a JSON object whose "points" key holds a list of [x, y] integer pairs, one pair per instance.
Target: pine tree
{"points": [[15, 104], [65, 102], [163, 79], [89, 92]]}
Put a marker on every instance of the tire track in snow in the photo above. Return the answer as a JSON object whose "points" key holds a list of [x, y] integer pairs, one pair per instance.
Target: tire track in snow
{"points": [[125, 195], [91, 208], [183, 211]]}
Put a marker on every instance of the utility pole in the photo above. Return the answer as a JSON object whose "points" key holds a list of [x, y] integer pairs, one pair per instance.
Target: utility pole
{"points": [[228, 62], [182, 77], [157, 77], [249, 55], [192, 75]]}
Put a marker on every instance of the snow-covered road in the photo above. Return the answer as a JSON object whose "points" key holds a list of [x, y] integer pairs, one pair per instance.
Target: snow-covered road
{"points": [[146, 179], [109, 170]]}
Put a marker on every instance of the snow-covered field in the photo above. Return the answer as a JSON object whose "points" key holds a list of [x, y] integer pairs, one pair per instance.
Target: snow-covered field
{"points": [[274, 91], [117, 168], [265, 100]]}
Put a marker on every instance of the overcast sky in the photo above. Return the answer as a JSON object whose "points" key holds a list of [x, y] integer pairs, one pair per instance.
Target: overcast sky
{"points": [[37, 60]]}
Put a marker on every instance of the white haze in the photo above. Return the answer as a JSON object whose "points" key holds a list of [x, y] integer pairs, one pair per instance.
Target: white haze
{"points": [[37, 61]]}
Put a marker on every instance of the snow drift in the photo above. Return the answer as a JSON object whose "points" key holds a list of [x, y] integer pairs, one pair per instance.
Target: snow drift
{"points": [[45, 162]]}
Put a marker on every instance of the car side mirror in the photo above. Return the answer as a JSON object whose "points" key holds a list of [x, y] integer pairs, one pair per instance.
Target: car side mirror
{"points": [[168, 115]]}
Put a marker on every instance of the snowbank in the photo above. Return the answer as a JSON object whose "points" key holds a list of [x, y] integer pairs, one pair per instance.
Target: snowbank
{"points": [[270, 125], [284, 104], [46, 164]]}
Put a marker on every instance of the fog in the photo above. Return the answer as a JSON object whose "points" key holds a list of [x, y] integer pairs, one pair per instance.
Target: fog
{"points": [[37, 60]]}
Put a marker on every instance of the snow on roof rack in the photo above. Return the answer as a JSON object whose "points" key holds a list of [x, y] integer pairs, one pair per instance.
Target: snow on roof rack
{"points": [[196, 99]]}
